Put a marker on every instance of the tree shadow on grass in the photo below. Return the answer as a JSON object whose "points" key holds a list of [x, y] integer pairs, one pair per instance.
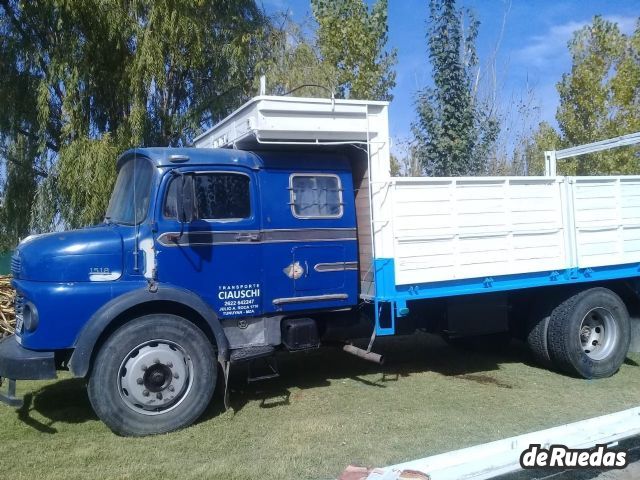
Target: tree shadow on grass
{"points": [[64, 401]]}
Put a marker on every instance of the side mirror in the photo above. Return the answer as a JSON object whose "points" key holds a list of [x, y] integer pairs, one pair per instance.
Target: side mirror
{"points": [[186, 198]]}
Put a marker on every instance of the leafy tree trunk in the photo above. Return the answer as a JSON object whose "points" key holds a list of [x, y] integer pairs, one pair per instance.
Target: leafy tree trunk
{"points": [[18, 191]]}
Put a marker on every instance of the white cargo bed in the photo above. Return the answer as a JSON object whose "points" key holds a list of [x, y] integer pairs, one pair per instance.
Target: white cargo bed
{"points": [[457, 228], [453, 228]]}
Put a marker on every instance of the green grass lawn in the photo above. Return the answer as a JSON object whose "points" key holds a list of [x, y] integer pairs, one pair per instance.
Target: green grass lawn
{"points": [[326, 410]]}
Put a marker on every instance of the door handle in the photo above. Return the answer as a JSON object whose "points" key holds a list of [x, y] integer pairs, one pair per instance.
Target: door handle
{"points": [[247, 237]]}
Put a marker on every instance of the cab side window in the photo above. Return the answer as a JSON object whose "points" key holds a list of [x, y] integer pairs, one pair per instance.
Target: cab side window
{"points": [[316, 196], [219, 196]]}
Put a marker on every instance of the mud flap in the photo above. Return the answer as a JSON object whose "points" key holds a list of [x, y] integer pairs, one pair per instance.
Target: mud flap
{"points": [[225, 370]]}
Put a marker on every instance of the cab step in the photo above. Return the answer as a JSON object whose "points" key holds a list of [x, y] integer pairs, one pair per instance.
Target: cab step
{"points": [[262, 364], [249, 353], [263, 368]]}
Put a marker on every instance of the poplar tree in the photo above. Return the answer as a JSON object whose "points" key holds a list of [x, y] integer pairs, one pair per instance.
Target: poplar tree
{"points": [[453, 132]]}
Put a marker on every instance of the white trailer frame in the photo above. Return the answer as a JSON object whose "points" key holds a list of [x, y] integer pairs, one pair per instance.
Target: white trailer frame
{"points": [[551, 157]]}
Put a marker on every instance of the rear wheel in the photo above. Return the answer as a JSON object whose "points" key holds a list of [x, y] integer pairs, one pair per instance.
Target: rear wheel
{"points": [[537, 328], [589, 334], [155, 374]]}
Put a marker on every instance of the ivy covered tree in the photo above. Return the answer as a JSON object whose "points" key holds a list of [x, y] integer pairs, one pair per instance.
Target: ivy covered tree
{"points": [[453, 131]]}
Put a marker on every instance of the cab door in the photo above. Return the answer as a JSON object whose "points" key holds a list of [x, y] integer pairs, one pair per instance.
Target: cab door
{"points": [[218, 256], [310, 247]]}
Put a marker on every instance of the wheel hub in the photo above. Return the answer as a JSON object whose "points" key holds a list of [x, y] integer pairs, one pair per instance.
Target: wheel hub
{"points": [[598, 333], [155, 377]]}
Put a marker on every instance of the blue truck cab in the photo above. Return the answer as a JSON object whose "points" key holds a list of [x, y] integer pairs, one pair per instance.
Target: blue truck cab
{"points": [[204, 254]]}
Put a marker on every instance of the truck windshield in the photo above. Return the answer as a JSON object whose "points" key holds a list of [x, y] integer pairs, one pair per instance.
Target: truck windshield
{"points": [[130, 198]]}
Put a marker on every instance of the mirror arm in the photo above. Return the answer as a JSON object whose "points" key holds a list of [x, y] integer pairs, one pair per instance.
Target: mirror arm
{"points": [[179, 201], [194, 202], [185, 207]]}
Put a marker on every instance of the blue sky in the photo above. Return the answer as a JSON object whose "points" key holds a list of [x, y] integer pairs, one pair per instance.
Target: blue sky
{"points": [[532, 54]]}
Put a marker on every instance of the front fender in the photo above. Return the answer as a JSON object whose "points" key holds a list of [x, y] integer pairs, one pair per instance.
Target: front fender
{"points": [[80, 360]]}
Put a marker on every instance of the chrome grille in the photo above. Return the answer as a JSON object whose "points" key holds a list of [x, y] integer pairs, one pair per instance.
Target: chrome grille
{"points": [[16, 265]]}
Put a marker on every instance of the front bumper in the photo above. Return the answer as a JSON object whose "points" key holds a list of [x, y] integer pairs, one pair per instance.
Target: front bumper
{"points": [[18, 363]]}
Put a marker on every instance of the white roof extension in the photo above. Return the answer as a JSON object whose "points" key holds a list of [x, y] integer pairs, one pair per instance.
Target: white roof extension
{"points": [[265, 120]]}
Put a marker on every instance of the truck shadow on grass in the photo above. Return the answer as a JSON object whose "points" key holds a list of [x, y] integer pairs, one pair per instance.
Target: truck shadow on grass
{"points": [[404, 356], [64, 401]]}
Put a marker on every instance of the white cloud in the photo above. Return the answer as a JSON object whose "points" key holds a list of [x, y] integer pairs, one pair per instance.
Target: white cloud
{"points": [[545, 48], [551, 47], [626, 24]]}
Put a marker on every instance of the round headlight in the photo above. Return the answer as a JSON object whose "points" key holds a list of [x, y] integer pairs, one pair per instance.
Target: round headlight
{"points": [[30, 317]]}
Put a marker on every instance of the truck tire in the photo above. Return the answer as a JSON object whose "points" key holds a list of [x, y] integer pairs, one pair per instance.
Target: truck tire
{"points": [[537, 328], [589, 334], [153, 375]]}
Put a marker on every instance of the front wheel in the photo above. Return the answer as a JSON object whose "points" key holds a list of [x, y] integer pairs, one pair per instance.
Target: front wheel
{"points": [[154, 375]]}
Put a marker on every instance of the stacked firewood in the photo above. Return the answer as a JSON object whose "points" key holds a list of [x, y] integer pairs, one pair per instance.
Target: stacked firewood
{"points": [[7, 314]]}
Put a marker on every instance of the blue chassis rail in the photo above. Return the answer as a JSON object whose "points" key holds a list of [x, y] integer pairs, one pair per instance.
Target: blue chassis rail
{"points": [[398, 295]]}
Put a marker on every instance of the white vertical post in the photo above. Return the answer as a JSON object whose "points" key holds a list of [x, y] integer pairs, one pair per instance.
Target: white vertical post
{"points": [[379, 176], [263, 85], [550, 164]]}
